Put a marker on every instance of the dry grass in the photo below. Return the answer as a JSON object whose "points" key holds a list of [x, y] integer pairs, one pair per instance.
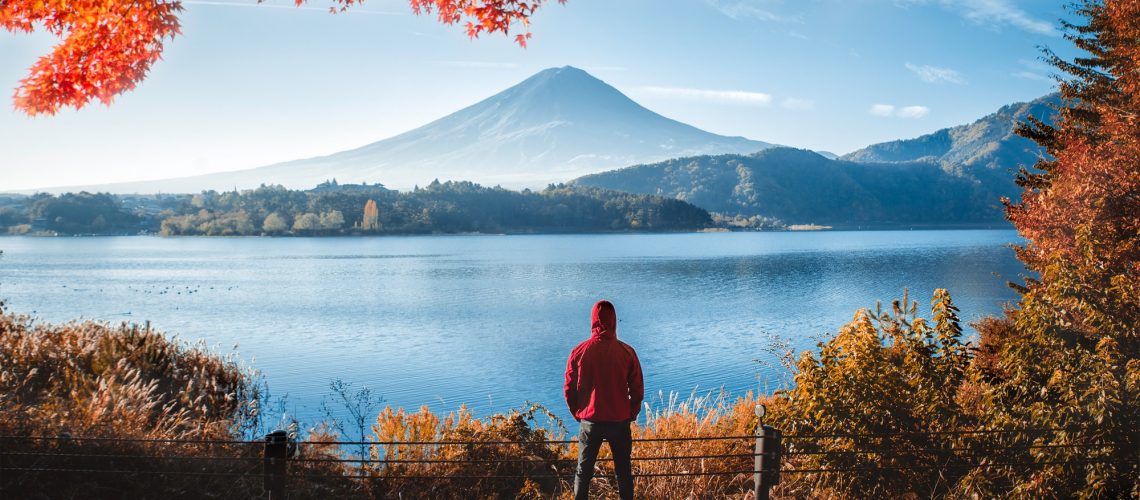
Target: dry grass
{"points": [[131, 385], [95, 380], [538, 465]]}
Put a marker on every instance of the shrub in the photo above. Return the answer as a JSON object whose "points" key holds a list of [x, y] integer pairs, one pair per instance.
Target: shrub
{"points": [[889, 379]]}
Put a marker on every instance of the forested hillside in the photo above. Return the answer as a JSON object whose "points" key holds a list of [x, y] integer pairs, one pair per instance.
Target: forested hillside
{"points": [[800, 187]]}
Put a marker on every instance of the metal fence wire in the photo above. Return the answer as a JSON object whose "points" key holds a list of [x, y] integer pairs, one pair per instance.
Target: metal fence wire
{"points": [[277, 460]]}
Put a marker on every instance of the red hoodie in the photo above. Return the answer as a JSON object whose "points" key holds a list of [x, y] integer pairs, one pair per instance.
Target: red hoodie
{"points": [[603, 375]]}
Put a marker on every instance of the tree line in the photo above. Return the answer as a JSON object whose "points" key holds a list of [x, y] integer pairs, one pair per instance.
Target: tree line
{"points": [[334, 209]]}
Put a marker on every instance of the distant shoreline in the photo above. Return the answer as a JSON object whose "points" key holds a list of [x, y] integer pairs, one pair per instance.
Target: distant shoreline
{"points": [[712, 230]]}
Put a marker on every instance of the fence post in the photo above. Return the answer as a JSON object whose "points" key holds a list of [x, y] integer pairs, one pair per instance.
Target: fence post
{"points": [[767, 461], [276, 453]]}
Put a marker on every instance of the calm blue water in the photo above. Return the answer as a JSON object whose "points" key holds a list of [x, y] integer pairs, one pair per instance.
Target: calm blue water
{"points": [[488, 320]]}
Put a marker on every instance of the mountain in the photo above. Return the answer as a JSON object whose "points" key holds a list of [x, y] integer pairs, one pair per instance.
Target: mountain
{"points": [[953, 176], [555, 125], [801, 187], [986, 149]]}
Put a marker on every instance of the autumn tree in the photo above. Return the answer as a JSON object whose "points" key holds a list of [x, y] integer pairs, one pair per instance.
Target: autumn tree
{"points": [[1048, 402], [1067, 357], [109, 45], [371, 220], [274, 224], [332, 220], [886, 373], [307, 222]]}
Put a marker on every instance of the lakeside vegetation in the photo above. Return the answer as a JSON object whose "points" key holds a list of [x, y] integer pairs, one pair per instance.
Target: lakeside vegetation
{"points": [[333, 209]]}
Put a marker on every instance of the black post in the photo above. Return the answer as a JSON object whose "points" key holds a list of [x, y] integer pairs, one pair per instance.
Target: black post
{"points": [[276, 453], [767, 466]]}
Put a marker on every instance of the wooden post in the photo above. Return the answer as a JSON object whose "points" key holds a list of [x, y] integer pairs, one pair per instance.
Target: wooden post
{"points": [[276, 453], [767, 462]]}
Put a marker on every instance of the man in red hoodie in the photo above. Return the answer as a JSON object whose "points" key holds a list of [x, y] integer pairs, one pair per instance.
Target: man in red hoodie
{"points": [[604, 390]]}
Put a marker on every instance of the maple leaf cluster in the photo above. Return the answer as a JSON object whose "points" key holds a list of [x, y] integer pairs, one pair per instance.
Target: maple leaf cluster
{"points": [[109, 45], [484, 16]]}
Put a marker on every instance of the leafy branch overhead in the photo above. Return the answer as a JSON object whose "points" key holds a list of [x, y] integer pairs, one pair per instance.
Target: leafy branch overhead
{"points": [[109, 45]]}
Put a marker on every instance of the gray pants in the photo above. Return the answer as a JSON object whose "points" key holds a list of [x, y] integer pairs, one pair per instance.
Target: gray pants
{"points": [[590, 439]]}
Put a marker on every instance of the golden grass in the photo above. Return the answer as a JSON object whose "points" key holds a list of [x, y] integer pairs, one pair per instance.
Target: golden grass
{"points": [[130, 382], [538, 465], [95, 380]]}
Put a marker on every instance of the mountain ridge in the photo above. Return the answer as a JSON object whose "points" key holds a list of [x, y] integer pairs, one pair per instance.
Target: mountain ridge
{"points": [[988, 142], [955, 175], [557, 124], [798, 186]]}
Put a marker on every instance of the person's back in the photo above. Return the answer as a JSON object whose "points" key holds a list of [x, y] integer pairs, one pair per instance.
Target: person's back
{"points": [[604, 390]]}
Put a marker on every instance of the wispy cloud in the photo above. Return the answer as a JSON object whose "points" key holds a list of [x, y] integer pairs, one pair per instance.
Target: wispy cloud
{"points": [[882, 109], [797, 104], [993, 13], [764, 10], [913, 111], [476, 64], [892, 111], [935, 74], [724, 96]]}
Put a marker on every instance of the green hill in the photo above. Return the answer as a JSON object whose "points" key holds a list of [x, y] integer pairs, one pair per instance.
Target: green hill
{"points": [[800, 187], [955, 176]]}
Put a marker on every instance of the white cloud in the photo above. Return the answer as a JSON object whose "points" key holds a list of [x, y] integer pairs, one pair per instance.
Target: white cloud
{"points": [[882, 109], [797, 104], [935, 74], [764, 10], [726, 96], [913, 112], [993, 13], [890, 110], [1001, 12]]}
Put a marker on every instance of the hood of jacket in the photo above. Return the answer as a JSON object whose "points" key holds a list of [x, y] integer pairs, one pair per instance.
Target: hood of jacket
{"points": [[603, 321]]}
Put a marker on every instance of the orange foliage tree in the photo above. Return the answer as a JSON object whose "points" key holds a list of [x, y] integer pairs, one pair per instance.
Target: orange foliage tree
{"points": [[109, 45], [371, 219], [1073, 358]]}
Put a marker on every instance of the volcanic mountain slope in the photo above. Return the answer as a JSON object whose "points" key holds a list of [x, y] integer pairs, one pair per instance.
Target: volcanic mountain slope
{"points": [[555, 125]]}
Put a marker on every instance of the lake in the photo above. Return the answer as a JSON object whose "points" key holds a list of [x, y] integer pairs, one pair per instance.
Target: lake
{"points": [[489, 320]]}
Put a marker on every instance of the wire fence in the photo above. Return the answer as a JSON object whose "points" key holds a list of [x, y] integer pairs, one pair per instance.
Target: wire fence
{"points": [[761, 458]]}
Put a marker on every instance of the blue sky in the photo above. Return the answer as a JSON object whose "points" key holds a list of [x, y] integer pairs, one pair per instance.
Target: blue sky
{"points": [[247, 85]]}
